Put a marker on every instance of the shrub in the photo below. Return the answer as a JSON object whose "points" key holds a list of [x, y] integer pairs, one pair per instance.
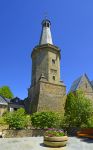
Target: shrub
{"points": [[90, 122], [17, 119], [45, 120], [78, 109], [2, 121]]}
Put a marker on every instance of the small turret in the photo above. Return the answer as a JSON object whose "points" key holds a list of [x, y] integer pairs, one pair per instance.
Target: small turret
{"points": [[46, 37]]}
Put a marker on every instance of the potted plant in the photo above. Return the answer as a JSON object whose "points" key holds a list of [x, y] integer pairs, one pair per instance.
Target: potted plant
{"points": [[55, 138]]}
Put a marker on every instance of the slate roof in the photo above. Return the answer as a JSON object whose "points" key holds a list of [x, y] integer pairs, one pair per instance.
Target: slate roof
{"points": [[17, 100], [3, 101], [89, 81], [92, 82], [7, 100], [75, 84]]}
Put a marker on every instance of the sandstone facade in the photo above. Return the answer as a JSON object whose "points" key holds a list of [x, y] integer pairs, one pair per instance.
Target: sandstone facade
{"points": [[46, 61], [46, 96]]}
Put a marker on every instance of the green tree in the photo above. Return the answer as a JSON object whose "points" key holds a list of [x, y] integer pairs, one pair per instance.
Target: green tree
{"points": [[6, 92], [78, 109]]}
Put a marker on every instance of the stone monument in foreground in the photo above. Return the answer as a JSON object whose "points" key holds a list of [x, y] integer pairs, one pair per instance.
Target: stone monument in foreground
{"points": [[47, 92]]}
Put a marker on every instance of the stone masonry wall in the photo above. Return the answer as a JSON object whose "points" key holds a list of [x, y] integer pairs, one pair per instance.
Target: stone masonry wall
{"points": [[46, 96], [53, 69], [23, 133], [46, 60], [52, 97], [39, 65]]}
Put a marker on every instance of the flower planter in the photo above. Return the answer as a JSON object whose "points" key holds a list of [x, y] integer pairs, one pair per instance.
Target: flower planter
{"points": [[55, 141]]}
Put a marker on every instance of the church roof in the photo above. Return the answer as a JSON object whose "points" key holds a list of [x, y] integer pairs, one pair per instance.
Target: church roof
{"points": [[92, 82], [46, 37], [17, 100], [3, 101], [76, 83]]}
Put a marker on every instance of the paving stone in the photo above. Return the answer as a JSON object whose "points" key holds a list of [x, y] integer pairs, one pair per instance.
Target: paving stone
{"points": [[36, 143]]}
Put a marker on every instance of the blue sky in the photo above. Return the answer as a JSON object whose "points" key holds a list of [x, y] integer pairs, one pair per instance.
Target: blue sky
{"points": [[20, 28]]}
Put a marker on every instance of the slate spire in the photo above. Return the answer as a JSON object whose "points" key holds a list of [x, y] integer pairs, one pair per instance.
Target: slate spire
{"points": [[46, 37]]}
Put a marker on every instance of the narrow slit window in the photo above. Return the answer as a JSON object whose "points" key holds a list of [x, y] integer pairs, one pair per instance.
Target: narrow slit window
{"points": [[53, 61], [53, 77]]}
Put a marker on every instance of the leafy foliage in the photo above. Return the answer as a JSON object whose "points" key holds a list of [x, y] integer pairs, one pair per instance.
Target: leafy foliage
{"points": [[54, 132], [17, 119], [2, 121], [6, 92], [45, 119], [78, 109], [89, 123]]}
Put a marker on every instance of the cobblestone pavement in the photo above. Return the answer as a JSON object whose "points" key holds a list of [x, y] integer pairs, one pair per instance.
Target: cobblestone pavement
{"points": [[36, 143]]}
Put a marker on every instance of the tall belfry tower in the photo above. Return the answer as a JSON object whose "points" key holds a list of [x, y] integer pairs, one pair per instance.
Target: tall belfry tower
{"points": [[47, 92]]}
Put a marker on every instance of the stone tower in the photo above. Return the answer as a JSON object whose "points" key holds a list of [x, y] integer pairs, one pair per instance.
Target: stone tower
{"points": [[47, 92]]}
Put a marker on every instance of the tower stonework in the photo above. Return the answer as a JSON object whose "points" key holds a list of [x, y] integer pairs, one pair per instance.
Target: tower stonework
{"points": [[47, 92]]}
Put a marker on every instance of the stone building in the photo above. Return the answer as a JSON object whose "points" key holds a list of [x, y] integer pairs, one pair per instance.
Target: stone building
{"points": [[15, 103], [83, 83], [47, 92], [3, 105], [10, 104]]}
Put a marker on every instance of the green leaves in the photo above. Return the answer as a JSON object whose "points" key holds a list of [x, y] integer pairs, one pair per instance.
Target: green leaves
{"points": [[45, 119], [78, 109], [6, 92], [17, 119], [2, 121]]}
